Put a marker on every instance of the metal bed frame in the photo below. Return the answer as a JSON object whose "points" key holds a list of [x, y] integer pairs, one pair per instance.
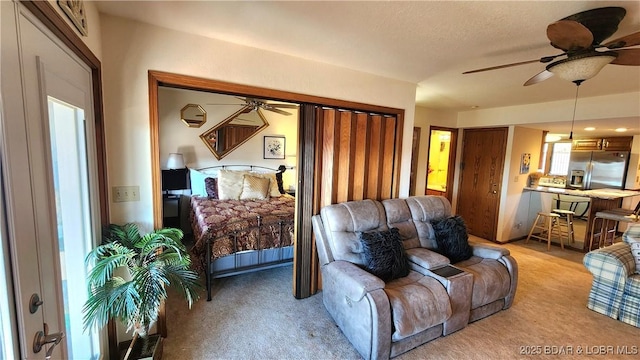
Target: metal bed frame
{"points": [[249, 260]]}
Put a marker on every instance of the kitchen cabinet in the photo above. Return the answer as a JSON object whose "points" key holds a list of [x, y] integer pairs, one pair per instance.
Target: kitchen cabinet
{"points": [[622, 143], [587, 144], [619, 143]]}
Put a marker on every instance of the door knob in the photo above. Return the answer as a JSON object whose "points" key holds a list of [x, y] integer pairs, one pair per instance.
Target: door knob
{"points": [[43, 337]]}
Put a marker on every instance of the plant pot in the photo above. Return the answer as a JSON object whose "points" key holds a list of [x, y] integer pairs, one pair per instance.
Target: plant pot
{"points": [[147, 348]]}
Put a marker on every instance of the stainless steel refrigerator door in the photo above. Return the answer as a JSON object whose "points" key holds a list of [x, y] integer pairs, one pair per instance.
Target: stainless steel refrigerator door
{"points": [[608, 169], [579, 160]]}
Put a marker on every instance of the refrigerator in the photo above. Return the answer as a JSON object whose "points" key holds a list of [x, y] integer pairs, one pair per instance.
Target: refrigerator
{"points": [[597, 169]]}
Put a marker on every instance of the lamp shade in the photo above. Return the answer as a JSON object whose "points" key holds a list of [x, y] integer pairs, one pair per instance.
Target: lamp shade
{"points": [[175, 161], [581, 67]]}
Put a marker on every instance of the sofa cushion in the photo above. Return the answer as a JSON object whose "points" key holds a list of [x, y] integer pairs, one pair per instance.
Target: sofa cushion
{"points": [[452, 238], [342, 222], [417, 303], [399, 216], [632, 237], [423, 210], [384, 255], [491, 280]]}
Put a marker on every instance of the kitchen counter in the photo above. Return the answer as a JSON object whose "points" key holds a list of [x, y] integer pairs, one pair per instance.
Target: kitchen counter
{"points": [[601, 199], [604, 194]]}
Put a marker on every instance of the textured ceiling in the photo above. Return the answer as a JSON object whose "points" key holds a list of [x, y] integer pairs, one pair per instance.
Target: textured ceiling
{"points": [[429, 43]]}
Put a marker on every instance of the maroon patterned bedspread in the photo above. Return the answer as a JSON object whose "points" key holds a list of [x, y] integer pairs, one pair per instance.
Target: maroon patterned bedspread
{"points": [[219, 219]]}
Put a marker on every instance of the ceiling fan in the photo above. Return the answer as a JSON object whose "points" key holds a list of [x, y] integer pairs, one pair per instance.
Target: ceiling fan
{"points": [[253, 104], [580, 38]]}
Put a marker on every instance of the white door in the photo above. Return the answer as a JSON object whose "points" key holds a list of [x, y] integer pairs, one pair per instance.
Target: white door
{"points": [[50, 186]]}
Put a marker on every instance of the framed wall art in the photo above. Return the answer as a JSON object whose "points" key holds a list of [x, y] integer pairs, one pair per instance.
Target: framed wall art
{"points": [[74, 9], [524, 163], [274, 147]]}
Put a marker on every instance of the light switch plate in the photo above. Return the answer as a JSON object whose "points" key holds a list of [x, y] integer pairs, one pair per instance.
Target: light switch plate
{"points": [[125, 193]]}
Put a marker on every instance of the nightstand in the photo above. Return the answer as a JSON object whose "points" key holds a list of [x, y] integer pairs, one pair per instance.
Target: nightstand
{"points": [[291, 192], [173, 180], [171, 210]]}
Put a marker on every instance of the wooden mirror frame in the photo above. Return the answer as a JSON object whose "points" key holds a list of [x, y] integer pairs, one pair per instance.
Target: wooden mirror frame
{"points": [[232, 140], [191, 120]]}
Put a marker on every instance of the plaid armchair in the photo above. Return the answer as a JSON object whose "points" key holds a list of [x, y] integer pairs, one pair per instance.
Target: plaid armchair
{"points": [[615, 291]]}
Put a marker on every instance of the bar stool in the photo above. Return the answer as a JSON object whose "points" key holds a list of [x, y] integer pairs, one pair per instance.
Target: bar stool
{"points": [[566, 226], [608, 218], [546, 223]]}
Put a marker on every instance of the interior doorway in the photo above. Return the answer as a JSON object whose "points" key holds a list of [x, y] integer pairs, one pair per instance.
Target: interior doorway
{"points": [[481, 169], [440, 161]]}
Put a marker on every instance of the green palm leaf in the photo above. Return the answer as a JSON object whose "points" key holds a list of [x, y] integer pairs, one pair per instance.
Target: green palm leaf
{"points": [[155, 261]]}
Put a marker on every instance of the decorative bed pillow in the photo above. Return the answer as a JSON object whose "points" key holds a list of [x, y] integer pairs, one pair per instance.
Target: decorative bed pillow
{"points": [[211, 186], [452, 238], [273, 183], [384, 255], [230, 184], [254, 187]]}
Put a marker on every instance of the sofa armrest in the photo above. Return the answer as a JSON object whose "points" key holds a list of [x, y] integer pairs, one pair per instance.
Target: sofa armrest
{"points": [[353, 280], [489, 251], [611, 262], [425, 259]]}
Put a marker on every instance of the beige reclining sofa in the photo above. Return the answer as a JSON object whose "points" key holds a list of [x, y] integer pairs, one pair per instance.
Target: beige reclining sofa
{"points": [[383, 320]]}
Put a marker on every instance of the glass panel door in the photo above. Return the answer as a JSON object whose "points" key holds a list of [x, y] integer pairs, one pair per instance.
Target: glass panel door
{"points": [[73, 218]]}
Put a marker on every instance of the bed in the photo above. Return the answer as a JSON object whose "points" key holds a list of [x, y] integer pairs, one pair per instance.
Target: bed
{"points": [[238, 235]]}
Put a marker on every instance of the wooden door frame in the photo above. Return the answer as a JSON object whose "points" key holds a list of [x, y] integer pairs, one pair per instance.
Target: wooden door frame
{"points": [[415, 154], [452, 158], [305, 271]]}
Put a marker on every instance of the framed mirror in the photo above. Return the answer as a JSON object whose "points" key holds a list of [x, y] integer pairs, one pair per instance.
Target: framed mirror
{"points": [[234, 131], [193, 115]]}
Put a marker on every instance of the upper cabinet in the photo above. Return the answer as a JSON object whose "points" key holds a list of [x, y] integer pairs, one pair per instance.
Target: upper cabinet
{"points": [[621, 143], [587, 144]]}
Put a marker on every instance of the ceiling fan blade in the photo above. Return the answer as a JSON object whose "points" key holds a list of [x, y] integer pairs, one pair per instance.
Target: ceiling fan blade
{"points": [[501, 66], [625, 41], [627, 57], [569, 35], [602, 22], [539, 77], [281, 112], [543, 60], [285, 106]]}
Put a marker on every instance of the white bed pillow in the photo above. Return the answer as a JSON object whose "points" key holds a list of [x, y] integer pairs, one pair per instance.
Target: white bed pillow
{"points": [[254, 187], [197, 182], [230, 184], [273, 182]]}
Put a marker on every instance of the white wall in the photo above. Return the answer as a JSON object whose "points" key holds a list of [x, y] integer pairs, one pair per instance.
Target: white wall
{"points": [[515, 218], [600, 107], [175, 136], [131, 48]]}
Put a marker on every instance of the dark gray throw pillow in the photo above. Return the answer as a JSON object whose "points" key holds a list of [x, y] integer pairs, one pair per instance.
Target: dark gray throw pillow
{"points": [[384, 254], [211, 186], [452, 238]]}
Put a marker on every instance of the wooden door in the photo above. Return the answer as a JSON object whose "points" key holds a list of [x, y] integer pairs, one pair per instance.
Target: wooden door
{"points": [[483, 153], [359, 155]]}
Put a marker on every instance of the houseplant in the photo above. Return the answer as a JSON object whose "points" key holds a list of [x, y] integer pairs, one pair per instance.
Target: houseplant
{"points": [[130, 274]]}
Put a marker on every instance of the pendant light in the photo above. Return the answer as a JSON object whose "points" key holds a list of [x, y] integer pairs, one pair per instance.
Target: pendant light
{"points": [[575, 105]]}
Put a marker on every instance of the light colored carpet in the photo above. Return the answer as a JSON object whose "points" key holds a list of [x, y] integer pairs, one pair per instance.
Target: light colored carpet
{"points": [[254, 316]]}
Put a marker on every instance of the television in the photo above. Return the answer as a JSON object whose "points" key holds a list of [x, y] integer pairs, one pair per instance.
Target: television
{"points": [[175, 179]]}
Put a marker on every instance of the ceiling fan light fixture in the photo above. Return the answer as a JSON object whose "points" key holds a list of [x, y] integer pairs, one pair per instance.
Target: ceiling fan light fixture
{"points": [[581, 67]]}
